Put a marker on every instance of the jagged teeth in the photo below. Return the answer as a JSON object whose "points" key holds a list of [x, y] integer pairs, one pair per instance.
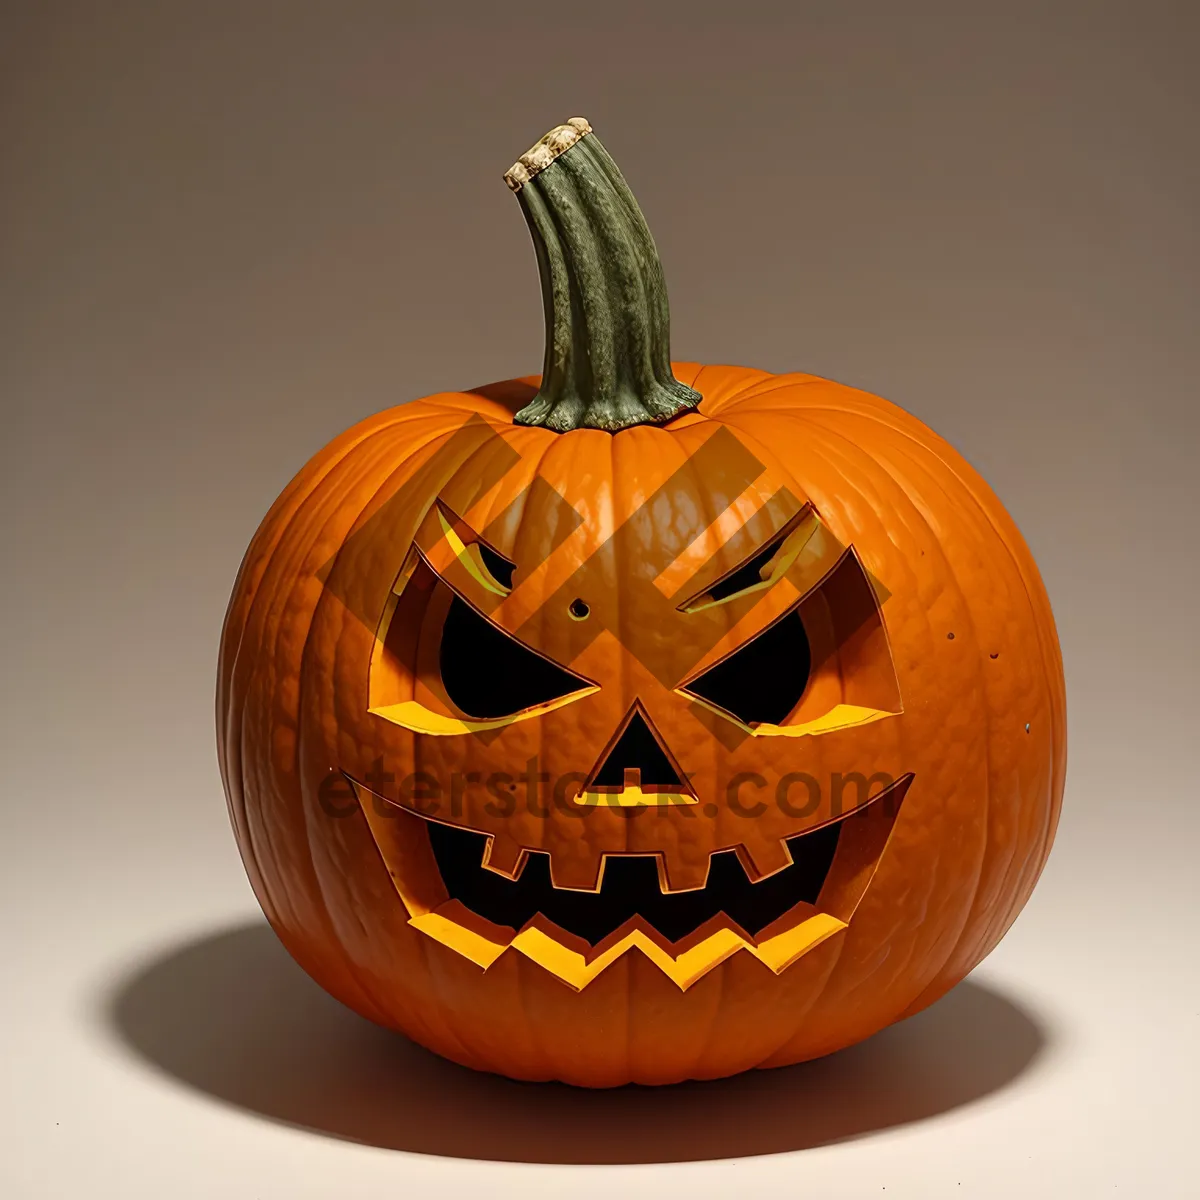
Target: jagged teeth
{"points": [[684, 874], [763, 860], [505, 856], [578, 866]]}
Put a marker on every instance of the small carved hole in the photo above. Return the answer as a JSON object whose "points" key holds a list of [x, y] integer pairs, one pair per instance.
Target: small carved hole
{"points": [[578, 609]]}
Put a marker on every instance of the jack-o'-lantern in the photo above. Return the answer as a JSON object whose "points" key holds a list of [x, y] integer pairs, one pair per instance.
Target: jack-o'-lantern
{"points": [[640, 721]]}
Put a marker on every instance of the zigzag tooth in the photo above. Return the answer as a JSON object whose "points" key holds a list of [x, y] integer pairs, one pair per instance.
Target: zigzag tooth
{"points": [[578, 866], [505, 856], [763, 859], [676, 874]]}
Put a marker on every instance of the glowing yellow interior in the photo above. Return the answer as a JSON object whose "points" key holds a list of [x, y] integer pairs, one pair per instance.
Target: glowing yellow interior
{"points": [[577, 970], [632, 797], [411, 714], [782, 562], [469, 557], [840, 716]]}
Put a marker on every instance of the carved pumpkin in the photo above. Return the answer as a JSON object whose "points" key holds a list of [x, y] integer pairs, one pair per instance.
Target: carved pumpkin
{"points": [[641, 721]]}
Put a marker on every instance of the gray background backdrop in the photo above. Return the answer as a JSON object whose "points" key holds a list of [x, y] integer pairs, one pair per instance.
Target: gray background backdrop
{"points": [[230, 230]]}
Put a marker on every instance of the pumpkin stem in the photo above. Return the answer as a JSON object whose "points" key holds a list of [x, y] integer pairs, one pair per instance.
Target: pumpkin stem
{"points": [[608, 340]]}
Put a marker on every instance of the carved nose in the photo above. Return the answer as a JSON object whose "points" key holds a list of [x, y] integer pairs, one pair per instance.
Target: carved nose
{"points": [[636, 769]]}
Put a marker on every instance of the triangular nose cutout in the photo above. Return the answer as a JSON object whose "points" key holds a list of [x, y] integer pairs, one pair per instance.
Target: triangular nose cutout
{"points": [[637, 749]]}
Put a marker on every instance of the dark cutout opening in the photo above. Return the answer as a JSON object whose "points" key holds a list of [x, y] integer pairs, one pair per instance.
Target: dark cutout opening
{"points": [[630, 887], [763, 680], [499, 568], [487, 673], [749, 573], [637, 747]]}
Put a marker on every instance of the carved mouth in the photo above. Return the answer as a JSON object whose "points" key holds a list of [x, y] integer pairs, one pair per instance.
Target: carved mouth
{"points": [[630, 887], [482, 914]]}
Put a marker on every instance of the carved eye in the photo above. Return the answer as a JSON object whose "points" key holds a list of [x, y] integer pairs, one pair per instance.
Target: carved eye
{"points": [[824, 665], [749, 575], [487, 673], [763, 680], [762, 569], [440, 667], [490, 569], [498, 567]]}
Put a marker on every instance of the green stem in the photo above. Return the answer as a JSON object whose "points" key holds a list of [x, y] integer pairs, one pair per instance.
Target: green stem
{"points": [[608, 352]]}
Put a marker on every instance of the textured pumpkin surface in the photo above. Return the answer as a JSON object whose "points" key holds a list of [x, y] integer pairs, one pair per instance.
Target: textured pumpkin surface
{"points": [[971, 718]]}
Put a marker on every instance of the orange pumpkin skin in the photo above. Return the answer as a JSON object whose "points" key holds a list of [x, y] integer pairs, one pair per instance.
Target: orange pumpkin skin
{"points": [[978, 731]]}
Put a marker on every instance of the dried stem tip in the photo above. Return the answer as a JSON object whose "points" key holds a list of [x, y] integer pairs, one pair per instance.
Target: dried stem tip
{"points": [[544, 151], [608, 328]]}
